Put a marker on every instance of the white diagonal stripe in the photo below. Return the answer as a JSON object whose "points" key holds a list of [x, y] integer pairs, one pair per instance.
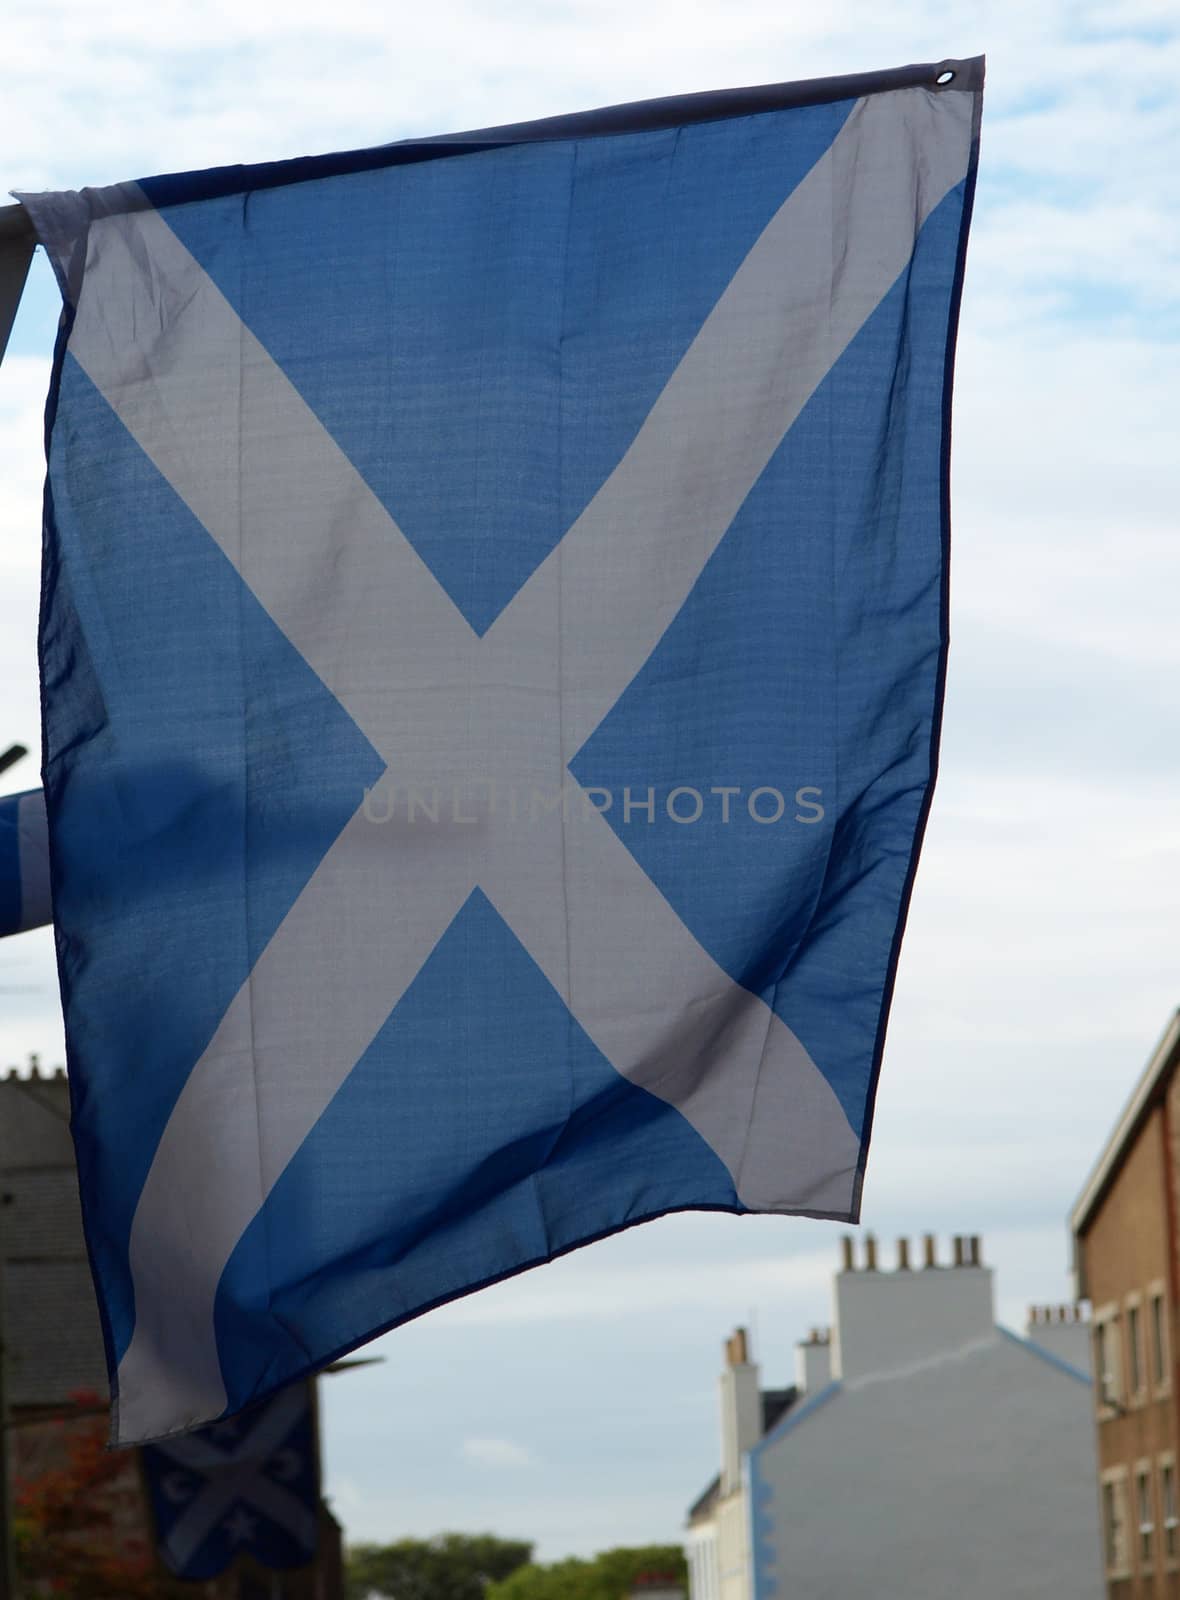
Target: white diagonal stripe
{"points": [[820, 268], [283, 1508], [665, 1015], [237, 1485], [337, 576], [197, 1521], [279, 1044], [300, 524]]}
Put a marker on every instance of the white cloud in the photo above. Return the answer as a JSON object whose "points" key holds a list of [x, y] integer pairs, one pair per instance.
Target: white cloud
{"points": [[496, 1453], [135, 87], [584, 1288]]}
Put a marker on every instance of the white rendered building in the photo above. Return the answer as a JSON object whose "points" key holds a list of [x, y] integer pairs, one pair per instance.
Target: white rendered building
{"points": [[926, 1453]]}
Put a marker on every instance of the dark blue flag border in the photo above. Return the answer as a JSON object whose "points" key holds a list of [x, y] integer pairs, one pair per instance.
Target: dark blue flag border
{"points": [[640, 116], [976, 66]]}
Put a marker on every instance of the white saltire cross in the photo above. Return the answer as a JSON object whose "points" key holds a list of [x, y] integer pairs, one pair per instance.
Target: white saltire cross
{"points": [[230, 433], [234, 1476]]}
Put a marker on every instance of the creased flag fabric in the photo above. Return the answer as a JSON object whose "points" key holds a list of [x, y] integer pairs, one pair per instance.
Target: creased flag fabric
{"points": [[24, 862], [246, 1486], [492, 656]]}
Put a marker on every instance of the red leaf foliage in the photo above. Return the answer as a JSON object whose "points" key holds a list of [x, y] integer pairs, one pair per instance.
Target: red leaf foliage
{"points": [[78, 1525]]}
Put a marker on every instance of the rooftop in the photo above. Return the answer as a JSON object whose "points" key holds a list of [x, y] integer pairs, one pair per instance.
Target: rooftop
{"points": [[1146, 1093]]}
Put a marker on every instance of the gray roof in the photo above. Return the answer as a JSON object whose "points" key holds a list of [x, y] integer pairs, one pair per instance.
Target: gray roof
{"points": [[34, 1125], [970, 1471]]}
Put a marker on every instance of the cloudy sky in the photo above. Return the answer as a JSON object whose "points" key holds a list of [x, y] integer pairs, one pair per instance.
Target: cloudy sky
{"points": [[576, 1405]]}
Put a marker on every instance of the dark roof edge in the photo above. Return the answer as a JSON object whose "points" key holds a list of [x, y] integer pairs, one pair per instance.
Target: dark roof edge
{"points": [[1114, 1152], [705, 1498]]}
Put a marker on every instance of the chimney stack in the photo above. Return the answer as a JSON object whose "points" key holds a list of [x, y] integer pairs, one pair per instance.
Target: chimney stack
{"points": [[849, 1264], [813, 1362], [741, 1409], [886, 1319], [1062, 1330], [737, 1349]]}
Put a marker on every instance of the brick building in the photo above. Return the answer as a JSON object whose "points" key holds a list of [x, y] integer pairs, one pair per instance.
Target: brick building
{"points": [[52, 1338], [1126, 1252]]}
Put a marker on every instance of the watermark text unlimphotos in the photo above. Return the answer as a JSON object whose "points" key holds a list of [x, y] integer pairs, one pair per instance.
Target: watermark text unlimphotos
{"points": [[477, 800]]}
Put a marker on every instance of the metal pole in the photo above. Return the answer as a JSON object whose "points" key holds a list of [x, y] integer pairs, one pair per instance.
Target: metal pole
{"points": [[10, 757]]}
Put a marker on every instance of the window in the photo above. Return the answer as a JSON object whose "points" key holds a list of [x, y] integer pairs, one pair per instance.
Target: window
{"points": [[1135, 1371], [1107, 1359], [1114, 1522], [1144, 1514], [1101, 1357], [1168, 1497], [1159, 1339]]}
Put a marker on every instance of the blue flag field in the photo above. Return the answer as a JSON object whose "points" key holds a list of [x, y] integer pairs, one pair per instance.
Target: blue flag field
{"points": [[492, 660]]}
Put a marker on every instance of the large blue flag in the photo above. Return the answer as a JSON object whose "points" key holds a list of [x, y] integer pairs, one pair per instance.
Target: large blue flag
{"points": [[492, 653]]}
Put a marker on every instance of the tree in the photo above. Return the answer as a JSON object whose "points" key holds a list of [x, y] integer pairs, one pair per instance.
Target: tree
{"points": [[70, 1541], [451, 1566], [609, 1576]]}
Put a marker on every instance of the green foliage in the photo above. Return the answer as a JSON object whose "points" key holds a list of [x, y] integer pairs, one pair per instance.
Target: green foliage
{"points": [[608, 1576], [453, 1566]]}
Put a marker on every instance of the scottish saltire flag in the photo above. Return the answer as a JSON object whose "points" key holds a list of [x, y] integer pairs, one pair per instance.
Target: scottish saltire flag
{"points": [[492, 654], [244, 1487], [24, 862]]}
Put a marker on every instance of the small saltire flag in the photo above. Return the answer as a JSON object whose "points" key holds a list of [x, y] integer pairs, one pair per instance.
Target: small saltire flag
{"points": [[492, 657], [247, 1486], [24, 862]]}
